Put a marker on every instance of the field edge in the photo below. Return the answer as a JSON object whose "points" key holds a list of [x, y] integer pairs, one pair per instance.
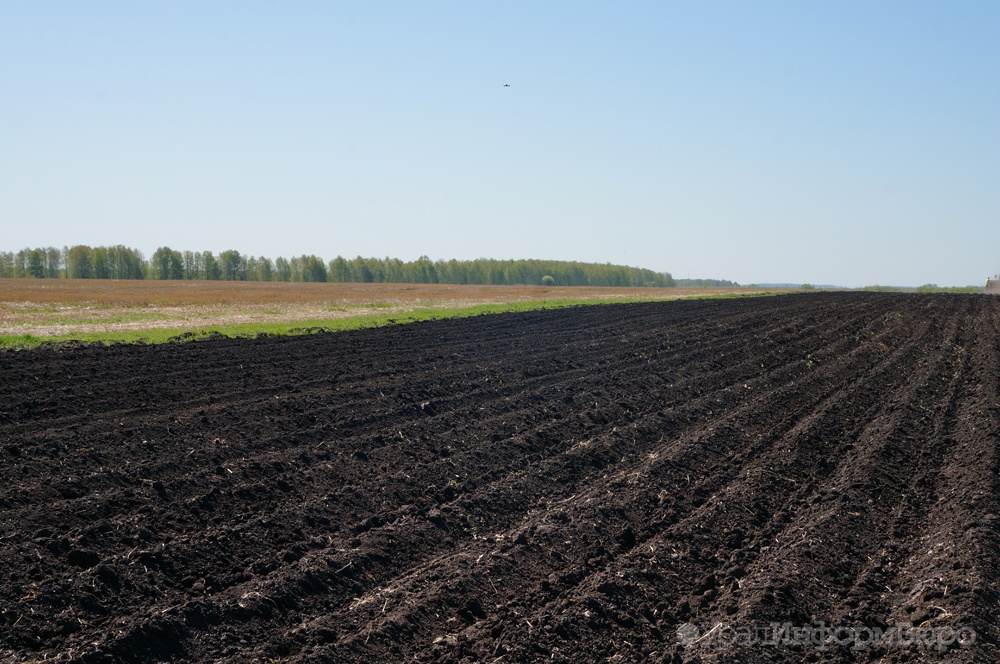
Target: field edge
{"points": [[328, 325]]}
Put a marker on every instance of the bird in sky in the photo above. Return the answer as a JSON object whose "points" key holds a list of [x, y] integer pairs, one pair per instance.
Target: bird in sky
{"points": [[506, 85]]}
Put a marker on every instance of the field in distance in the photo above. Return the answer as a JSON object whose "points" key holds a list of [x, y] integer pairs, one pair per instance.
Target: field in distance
{"points": [[34, 310]]}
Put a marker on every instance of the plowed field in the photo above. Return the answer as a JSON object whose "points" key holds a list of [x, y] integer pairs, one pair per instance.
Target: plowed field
{"points": [[629, 483]]}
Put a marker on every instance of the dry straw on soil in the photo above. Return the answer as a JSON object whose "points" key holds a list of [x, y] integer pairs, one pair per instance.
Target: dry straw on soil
{"points": [[45, 308]]}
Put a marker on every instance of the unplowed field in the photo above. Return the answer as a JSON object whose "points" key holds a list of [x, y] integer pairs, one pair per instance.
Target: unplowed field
{"points": [[571, 485], [54, 307]]}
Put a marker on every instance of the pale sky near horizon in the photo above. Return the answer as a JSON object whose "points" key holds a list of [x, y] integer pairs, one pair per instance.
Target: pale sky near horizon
{"points": [[847, 143]]}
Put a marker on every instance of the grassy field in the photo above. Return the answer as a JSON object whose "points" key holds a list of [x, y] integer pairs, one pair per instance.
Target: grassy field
{"points": [[34, 311]]}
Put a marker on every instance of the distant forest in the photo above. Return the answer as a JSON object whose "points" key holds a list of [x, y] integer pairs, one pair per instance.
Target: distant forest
{"points": [[119, 262]]}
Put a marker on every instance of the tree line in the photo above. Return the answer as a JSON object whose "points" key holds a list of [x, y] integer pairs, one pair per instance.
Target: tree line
{"points": [[705, 283], [120, 262]]}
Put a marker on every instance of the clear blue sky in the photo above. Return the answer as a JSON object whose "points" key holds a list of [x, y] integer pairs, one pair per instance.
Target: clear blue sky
{"points": [[828, 142]]}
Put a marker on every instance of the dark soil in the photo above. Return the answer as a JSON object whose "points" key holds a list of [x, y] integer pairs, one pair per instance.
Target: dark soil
{"points": [[569, 486]]}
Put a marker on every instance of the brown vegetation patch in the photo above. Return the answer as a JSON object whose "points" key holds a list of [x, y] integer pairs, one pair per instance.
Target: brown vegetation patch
{"points": [[41, 307]]}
